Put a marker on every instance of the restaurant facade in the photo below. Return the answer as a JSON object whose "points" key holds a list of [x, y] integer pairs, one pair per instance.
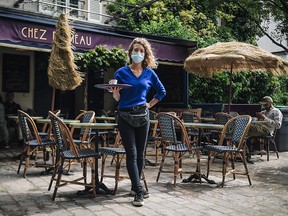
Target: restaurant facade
{"points": [[26, 39]]}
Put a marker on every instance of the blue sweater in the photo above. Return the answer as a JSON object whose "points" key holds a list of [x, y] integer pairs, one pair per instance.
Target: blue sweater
{"points": [[136, 95]]}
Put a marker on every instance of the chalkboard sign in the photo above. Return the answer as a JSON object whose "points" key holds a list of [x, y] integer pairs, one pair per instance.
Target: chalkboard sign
{"points": [[15, 73]]}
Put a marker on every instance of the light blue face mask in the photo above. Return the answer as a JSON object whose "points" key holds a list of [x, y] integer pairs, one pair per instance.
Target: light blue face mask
{"points": [[137, 57]]}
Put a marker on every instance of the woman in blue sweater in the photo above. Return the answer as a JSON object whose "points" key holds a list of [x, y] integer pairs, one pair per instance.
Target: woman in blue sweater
{"points": [[133, 109]]}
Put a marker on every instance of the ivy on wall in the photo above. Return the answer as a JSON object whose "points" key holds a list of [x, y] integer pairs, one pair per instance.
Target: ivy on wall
{"points": [[101, 58]]}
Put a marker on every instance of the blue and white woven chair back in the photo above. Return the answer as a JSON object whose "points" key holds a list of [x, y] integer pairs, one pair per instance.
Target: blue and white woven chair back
{"points": [[189, 117], [24, 126], [56, 131], [167, 127], [239, 126], [27, 126], [87, 118], [222, 118]]}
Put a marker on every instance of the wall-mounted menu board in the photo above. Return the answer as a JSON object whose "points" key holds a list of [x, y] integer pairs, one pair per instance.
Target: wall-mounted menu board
{"points": [[15, 73]]}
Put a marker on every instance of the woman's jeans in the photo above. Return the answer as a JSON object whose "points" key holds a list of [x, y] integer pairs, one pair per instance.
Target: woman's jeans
{"points": [[134, 141]]}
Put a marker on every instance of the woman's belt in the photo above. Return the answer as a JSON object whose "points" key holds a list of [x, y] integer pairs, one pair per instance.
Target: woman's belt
{"points": [[134, 108]]}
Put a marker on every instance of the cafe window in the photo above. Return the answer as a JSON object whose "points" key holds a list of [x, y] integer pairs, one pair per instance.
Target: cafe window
{"points": [[15, 71], [56, 7], [79, 9], [175, 81]]}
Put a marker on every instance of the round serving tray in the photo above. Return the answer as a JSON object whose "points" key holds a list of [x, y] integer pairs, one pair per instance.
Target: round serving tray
{"points": [[108, 86]]}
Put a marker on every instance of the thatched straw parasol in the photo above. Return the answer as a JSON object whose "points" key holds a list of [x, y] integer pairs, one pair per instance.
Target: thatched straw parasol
{"points": [[62, 71], [235, 57]]}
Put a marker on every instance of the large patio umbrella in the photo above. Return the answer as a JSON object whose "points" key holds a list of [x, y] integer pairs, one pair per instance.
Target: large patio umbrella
{"points": [[62, 71], [233, 57]]}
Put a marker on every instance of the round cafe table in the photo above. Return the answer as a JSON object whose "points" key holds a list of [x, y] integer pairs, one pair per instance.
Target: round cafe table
{"points": [[48, 121]]}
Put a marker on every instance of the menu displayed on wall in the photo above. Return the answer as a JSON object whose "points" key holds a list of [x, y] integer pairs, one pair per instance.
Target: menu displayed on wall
{"points": [[15, 73]]}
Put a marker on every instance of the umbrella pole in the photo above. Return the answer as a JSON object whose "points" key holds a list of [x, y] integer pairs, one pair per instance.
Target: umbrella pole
{"points": [[230, 89], [53, 100]]}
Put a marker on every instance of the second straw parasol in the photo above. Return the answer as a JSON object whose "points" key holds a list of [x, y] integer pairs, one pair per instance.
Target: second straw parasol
{"points": [[233, 57]]}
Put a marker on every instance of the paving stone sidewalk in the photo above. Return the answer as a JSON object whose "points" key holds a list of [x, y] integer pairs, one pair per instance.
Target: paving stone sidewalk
{"points": [[268, 194]]}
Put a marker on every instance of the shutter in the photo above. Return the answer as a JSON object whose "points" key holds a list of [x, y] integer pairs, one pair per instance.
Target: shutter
{"points": [[95, 10]]}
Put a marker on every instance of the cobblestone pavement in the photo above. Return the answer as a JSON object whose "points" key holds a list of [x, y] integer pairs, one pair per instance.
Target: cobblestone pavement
{"points": [[268, 194]]}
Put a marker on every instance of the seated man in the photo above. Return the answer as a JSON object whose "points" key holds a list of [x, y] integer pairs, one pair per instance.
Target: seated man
{"points": [[270, 114], [4, 135], [11, 107]]}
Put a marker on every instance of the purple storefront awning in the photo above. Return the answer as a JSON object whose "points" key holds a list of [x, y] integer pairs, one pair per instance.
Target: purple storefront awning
{"points": [[39, 34]]}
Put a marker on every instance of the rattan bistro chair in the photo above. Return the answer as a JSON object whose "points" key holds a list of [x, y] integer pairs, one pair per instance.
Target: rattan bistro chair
{"points": [[34, 144], [68, 150], [265, 144], [118, 153], [83, 138], [238, 128], [168, 124], [154, 139]]}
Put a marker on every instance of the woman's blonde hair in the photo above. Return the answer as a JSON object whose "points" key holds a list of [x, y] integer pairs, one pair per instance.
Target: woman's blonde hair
{"points": [[149, 58]]}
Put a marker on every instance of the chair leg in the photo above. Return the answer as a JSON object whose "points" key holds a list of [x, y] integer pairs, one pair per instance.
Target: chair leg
{"points": [[84, 164], [161, 164], [180, 165], [58, 181], [176, 167], [103, 166], [267, 146], [232, 161], [224, 167], [198, 168], [93, 180], [117, 173], [53, 174], [23, 156], [27, 161], [144, 180], [245, 166], [275, 147], [208, 163]]}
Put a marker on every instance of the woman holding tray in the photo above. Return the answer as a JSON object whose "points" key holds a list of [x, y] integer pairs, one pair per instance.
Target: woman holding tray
{"points": [[133, 113]]}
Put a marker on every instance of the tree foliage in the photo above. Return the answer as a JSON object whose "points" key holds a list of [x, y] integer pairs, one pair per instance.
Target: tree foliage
{"points": [[205, 21]]}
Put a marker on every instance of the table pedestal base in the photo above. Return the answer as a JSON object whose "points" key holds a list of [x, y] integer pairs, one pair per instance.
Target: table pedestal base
{"points": [[101, 185], [196, 178]]}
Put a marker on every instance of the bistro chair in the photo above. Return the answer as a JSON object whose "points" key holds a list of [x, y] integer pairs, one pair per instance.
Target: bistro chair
{"points": [[67, 149], [34, 144], [153, 137], [46, 129], [192, 117], [238, 128], [221, 118], [118, 153], [265, 144], [233, 113], [83, 138], [196, 111], [168, 124]]}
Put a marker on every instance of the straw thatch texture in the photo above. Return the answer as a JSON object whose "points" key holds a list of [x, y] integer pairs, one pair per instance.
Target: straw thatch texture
{"points": [[240, 56], [62, 71]]}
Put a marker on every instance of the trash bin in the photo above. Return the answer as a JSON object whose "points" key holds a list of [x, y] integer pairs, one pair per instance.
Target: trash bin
{"points": [[282, 133]]}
